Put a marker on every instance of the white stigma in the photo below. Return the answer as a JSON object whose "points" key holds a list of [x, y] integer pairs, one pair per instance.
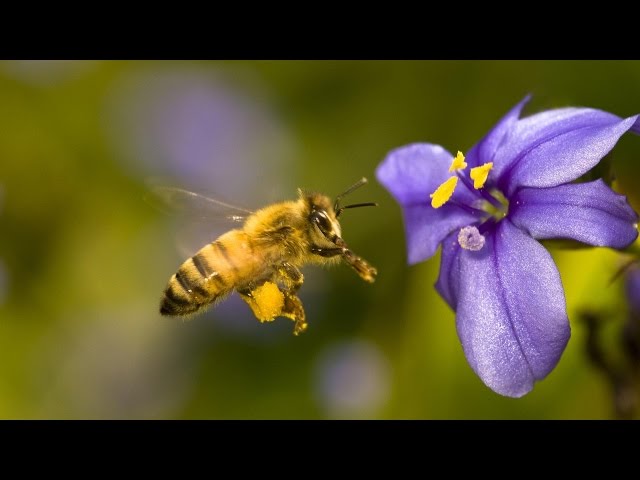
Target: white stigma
{"points": [[469, 238]]}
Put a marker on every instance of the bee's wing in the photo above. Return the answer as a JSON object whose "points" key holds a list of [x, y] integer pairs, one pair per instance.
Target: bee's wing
{"points": [[180, 202]]}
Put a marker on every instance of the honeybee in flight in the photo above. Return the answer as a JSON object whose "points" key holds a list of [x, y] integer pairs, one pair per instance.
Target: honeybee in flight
{"points": [[261, 260]]}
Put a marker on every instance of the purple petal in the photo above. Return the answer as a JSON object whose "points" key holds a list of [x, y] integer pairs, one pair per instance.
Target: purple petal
{"points": [[632, 285], [426, 227], [557, 146], [449, 278], [590, 213], [535, 129], [511, 317], [484, 151], [411, 174]]}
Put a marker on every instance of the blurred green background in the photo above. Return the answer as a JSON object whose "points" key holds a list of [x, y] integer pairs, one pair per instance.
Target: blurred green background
{"points": [[84, 260]]}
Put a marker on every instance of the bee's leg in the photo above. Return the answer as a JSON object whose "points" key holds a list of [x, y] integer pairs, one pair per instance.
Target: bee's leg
{"points": [[360, 265], [266, 301], [294, 310], [291, 276], [327, 252]]}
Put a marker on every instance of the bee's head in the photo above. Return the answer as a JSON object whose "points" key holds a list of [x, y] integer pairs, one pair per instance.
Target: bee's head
{"points": [[324, 215]]}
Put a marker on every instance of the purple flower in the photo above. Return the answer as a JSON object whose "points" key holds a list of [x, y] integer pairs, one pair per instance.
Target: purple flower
{"points": [[488, 210]]}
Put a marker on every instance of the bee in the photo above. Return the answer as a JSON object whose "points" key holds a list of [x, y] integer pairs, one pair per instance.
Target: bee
{"points": [[261, 261]]}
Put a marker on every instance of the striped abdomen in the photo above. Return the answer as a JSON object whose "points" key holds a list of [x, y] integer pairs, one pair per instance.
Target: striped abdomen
{"points": [[209, 275]]}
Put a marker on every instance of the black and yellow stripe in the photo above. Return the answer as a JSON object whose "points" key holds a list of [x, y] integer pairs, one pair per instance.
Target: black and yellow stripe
{"points": [[202, 265], [206, 277], [224, 253]]}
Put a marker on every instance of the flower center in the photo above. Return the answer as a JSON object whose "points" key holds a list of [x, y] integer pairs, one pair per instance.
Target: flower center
{"points": [[479, 176], [498, 208], [490, 205]]}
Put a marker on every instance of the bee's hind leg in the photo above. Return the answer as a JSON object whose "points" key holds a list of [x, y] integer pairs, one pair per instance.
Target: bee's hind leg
{"points": [[294, 310], [292, 279], [266, 301], [269, 301]]}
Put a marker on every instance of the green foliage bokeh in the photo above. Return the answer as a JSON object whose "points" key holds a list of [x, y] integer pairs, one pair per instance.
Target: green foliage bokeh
{"points": [[83, 259]]}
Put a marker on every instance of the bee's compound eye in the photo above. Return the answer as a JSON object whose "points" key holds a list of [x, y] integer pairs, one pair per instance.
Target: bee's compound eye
{"points": [[322, 220]]}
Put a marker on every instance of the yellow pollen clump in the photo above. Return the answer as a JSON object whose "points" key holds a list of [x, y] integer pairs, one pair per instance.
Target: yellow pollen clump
{"points": [[458, 162], [266, 302], [479, 175], [443, 192]]}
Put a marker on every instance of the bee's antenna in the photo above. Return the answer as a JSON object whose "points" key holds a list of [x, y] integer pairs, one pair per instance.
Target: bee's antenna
{"points": [[358, 184], [355, 205]]}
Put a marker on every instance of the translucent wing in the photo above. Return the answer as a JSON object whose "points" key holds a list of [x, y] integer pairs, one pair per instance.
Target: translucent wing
{"points": [[183, 203]]}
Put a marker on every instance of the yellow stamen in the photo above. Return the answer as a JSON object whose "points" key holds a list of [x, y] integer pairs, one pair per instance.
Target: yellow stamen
{"points": [[458, 163], [479, 175], [443, 192]]}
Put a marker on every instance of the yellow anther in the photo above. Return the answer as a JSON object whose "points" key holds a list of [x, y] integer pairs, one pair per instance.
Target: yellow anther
{"points": [[443, 192], [479, 175], [458, 163]]}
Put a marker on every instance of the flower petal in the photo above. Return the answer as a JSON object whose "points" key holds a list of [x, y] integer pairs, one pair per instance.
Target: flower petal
{"points": [[590, 213], [557, 146], [426, 227], [411, 174], [449, 278], [511, 317], [484, 151]]}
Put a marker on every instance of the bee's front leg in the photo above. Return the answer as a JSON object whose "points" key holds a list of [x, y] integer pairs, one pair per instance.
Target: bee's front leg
{"points": [[360, 265], [327, 252]]}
